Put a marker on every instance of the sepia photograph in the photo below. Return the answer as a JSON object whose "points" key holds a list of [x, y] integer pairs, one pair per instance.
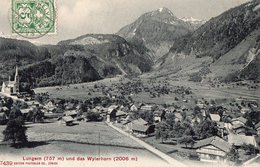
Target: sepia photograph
{"points": [[130, 83]]}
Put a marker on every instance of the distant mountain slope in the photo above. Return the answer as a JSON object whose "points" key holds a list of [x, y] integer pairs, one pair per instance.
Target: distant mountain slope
{"points": [[12, 50], [225, 45], [112, 51], [157, 31], [86, 58]]}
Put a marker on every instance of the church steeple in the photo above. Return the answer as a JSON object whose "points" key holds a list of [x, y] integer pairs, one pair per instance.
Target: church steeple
{"points": [[16, 80], [16, 76]]}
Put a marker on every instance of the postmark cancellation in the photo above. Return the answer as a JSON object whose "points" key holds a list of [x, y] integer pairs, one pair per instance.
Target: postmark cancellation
{"points": [[33, 18]]}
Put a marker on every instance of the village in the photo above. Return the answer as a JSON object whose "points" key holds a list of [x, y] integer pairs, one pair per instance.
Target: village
{"points": [[191, 128]]}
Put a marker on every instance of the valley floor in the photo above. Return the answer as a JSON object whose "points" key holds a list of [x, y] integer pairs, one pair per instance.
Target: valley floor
{"points": [[81, 91]]}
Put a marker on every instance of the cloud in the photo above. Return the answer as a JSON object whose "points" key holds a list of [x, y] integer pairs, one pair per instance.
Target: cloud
{"points": [[79, 15]]}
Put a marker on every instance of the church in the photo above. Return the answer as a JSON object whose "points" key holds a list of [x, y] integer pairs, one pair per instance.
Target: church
{"points": [[11, 87]]}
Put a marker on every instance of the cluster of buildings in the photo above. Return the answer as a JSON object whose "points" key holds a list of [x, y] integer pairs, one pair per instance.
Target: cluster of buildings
{"points": [[235, 132]]}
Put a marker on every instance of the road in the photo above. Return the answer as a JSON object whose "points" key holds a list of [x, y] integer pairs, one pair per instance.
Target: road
{"points": [[170, 160]]}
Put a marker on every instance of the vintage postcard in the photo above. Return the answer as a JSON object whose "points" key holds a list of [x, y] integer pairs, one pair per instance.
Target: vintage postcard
{"points": [[130, 83]]}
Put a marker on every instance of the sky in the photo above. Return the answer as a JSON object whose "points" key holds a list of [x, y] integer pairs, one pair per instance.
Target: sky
{"points": [[79, 17]]}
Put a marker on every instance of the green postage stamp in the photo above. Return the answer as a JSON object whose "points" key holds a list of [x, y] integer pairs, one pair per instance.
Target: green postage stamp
{"points": [[33, 18]]}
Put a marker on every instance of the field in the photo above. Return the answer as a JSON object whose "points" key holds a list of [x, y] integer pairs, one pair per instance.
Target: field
{"points": [[81, 91], [91, 133], [76, 91], [85, 139]]}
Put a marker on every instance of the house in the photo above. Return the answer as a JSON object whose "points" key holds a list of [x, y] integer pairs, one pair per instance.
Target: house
{"points": [[140, 121], [242, 129], [257, 128], [171, 109], [196, 120], [148, 108], [142, 130], [49, 104], [245, 110], [200, 105], [212, 149], [3, 109], [221, 128], [140, 127], [72, 113], [58, 101], [70, 106], [111, 113], [34, 103], [50, 115], [239, 120], [139, 105], [121, 114], [101, 109], [204, 113], [3, 118], [178, 116], [239, 129], [125, 122], [112, 107], [158, 115], [128, 123], [11, 87], [133, 108], [214, 117], [66, 120], [184, 108], [252, 103], [25, 111], [239, 140]]}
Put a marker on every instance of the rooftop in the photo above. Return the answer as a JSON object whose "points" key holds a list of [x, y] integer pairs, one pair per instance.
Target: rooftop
{"points": [[214, 141], [239, 140], [240, 119], [140, 121]]}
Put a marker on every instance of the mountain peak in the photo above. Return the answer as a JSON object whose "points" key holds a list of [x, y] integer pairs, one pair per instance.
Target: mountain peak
{"points": [[163, 9]]}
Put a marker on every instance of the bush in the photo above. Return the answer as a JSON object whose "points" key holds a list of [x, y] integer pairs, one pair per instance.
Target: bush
{"points": [[15, 132]]}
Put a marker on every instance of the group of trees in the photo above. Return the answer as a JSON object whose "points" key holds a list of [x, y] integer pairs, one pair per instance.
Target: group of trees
{"points": [[184, 131]]}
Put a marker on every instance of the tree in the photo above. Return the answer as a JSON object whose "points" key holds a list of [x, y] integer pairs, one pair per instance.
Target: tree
{"points": [[212, 102], [15, 113], [147, 116], [161, 131], [176, 131], [38, 115], [15, 132], [252, 117], [184, 115], [196, 111], [233, 155], [249, 148], [8, 102], [150, 117], [207, 128], [189, 131], [179, 129], [93, 116], [186, 140], [170, 119]]}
